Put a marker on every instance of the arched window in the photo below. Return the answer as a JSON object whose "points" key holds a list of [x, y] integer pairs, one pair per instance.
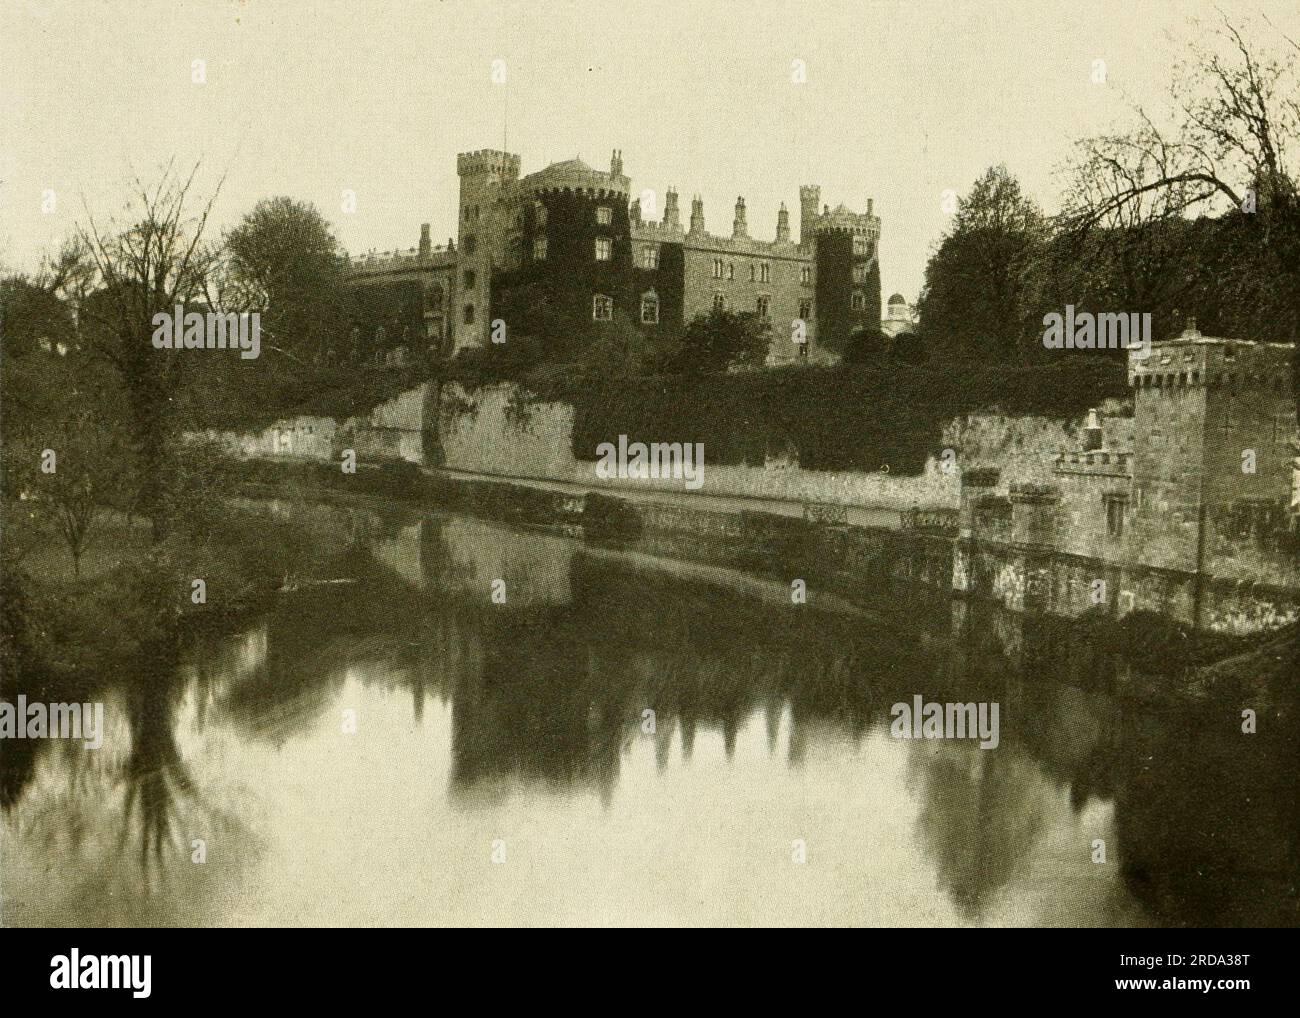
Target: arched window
{"points": [[650, 308], [602, 308]]}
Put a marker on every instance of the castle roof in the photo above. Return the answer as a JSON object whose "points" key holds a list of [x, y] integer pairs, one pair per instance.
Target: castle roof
{"points": [[575, 175]]}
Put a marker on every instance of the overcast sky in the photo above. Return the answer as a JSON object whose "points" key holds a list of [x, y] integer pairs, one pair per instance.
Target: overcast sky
{"points": [[304, 98]]}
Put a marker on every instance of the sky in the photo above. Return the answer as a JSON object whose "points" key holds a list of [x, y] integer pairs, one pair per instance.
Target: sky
{"points": [[902, 101]]}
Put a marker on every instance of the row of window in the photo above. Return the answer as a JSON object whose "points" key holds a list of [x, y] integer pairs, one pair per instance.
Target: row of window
{"points": [[760, 272], [602, 308], [762, 306], [604, 249]]}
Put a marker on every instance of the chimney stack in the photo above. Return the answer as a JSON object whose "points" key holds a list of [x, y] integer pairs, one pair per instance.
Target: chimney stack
{"points": [[697, 214], [782, 225], [738, 226], [426, 245], [671, 216]]}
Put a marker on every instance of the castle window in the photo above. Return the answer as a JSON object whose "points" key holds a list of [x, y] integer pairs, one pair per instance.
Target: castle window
{"points": [[602, 308], [719, 301], [604, 216], [805, 309], [469, 314], [765, 273], [859, 245], [650, 256], [752, 269], [604, 249], [470, 243], [649, 308], [763, 306], [1114, 517], [805, 275], [858, 302], [717, 268], [731, 270], [859, 273], [468, 276], [539, 249]]}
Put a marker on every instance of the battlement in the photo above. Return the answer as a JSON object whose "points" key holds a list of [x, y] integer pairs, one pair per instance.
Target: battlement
{"points": [[1192, 360], [488, 160], [1097, 463], [576, 177], [395, 261], [746, 246], [644, 229], [843, 220]]}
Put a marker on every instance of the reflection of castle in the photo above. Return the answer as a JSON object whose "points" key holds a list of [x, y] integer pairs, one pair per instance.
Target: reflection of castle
{"points": [[1182, 508], [593, 252]]}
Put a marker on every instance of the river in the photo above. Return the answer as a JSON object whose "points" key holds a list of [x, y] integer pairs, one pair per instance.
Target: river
{"points": [[632, 740]]}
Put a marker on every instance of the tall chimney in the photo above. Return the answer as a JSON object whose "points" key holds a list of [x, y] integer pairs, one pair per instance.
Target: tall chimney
{"points": [[782, 225], [671, 216], [616, 163], [738, 226], [810, 196], [697, 214], [426, 246]]}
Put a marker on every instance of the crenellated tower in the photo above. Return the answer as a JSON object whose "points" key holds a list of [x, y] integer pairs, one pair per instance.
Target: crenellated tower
{"points": [[487, 181]]}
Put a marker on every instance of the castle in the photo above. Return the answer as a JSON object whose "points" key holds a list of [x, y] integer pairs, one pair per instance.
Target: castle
{"points": [[574, 237], [1184, 508]]}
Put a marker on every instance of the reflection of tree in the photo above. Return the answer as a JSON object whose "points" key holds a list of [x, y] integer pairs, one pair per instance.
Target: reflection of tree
{"points": [[157, 780], [981, 813]]}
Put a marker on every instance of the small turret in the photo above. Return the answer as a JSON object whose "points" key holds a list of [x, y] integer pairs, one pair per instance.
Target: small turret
{"points": [[634, 213], [426, 245], [616, 163]]}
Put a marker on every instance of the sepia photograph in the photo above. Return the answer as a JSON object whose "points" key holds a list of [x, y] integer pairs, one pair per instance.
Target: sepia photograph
{"points": [[766, 463]]}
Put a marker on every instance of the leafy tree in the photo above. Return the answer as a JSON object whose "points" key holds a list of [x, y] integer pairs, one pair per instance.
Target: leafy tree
{"points": [[282, 261], [867, 345], [977, 283], [33, 317], [721, 340]]}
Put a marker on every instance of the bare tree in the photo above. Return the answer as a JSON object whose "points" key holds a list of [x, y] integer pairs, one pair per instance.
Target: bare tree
{"points": [[149, 262], [1229, 143]]}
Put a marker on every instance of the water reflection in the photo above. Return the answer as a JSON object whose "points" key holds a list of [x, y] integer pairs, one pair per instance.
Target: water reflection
{"points": [[647, 740]]}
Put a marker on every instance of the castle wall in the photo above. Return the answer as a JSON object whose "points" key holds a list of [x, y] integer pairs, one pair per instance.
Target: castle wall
{"points": [[784, 288]]}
